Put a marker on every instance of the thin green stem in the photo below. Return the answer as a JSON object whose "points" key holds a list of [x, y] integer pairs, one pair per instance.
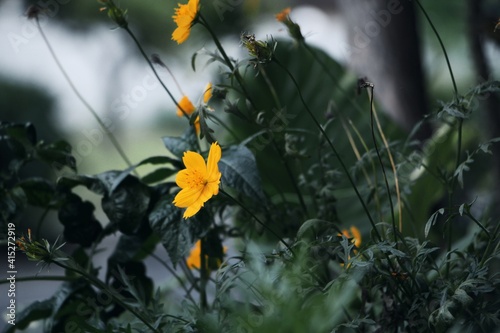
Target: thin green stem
{"points": [[460, 122], [258, 220], [427, 17], [174, 274], [40, 278], [143, 53], [389, 195], [289, 172], [204, 275], [104, 128], [337, 155], [228, 61], [99, 284], [292, 178]]}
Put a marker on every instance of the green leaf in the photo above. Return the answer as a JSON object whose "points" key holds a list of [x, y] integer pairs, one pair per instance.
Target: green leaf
{"points": [[158, 175], [205, 130], [178, 145], [432, 220], [80, 225], [127, 205], [39, 191], [239, 171], [155, 160], [314, 227], [57, 154], [91, 182], [177, 234], [133, 247], [24, 133]]}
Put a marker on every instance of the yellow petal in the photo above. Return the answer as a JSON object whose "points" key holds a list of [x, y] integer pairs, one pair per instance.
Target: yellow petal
{"points": [[214, 157], [193, 6], [185, 103], [194, 161], [194, 260], [208, 93], [187, 197], [356, 235], [193, 209]]}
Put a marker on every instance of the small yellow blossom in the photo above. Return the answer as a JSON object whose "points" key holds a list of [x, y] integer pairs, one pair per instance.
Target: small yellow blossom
{"points": [[283, 15], [293, 28], [194, 259], [184, 17], [354, 234], [208, 93], [199, 181], [188, 108]]}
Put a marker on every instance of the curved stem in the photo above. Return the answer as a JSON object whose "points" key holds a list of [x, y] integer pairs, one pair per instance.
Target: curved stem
{"points": [[99, 284], [228, 61], [427, 17], [111, 136], [335, 152], [382, 164], [139, 46], [258, 220]]}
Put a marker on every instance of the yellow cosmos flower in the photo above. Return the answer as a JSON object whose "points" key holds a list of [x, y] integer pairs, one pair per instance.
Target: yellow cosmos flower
{"points": [[186, 105], [194, 259], [199, 181], [184, 17], [354, 234], [283, 15], [188, 108], [208, 93]]}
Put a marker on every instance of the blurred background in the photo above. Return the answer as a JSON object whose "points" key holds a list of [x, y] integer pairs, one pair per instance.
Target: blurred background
{"points": [[403, 59]]}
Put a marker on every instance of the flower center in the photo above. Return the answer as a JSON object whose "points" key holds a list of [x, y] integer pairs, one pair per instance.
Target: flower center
{"points": [[197, 179]]}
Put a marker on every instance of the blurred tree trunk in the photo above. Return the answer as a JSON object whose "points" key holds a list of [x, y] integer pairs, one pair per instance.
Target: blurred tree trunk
{"points": [[480, 26], [384, 47]]}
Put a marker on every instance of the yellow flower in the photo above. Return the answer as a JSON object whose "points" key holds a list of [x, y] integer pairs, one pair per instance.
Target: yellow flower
{"points": [[354, 234], [283, 15], [194, 259], [188, 109], [199, 181], [184, 17], [356, 239], [293, 28], [186, 106], [208, 93]]}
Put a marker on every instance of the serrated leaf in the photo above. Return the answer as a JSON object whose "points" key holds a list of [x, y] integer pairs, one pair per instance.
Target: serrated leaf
{"points": [[178, 145], [239, 171], [432, 220]]}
